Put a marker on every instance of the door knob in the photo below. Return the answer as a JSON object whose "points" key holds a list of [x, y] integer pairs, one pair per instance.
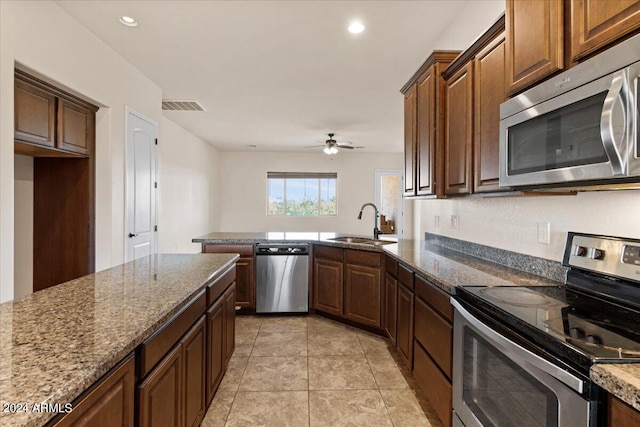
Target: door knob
{"points": [[133, 234]]}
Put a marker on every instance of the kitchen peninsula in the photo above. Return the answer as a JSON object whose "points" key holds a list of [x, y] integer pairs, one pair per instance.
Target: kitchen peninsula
{"points": [[59, 342]]}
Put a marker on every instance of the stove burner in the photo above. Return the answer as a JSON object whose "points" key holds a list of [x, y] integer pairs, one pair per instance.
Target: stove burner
{"points": [[517, 296]]}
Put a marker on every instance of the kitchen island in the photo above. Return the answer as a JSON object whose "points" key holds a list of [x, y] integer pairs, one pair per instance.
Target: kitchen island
{"points": [[56, 343]]}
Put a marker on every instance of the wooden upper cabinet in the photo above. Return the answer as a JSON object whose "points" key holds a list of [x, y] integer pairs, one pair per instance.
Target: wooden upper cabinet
{"points": [[598, 23], [459, 132], [424, 126], [75, 127], [534, 41], [34, 115], [410, 102], [489, 93]]}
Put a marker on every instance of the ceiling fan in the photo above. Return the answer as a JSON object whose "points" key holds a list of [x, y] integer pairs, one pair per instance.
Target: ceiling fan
{"points": [[331, 146]]}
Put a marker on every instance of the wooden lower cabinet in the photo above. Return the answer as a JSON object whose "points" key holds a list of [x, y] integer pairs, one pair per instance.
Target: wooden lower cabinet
{"points": [[230, 322], [435, 385], [362, 302], [621, 414], [404, 334], [194, 351], [435, 334], [110, 402], [160, 395], [245, 272], [391, 306], [327, 285], [215, 348]]}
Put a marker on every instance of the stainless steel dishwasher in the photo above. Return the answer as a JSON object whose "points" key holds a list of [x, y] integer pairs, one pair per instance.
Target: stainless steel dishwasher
{"points": [[282, 284]]}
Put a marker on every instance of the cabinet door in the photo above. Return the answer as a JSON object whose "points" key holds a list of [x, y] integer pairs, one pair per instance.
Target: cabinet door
{"points": [[75, 127], [426, 132], [215, 347], [534, 41], [109, 403], [598, 23], [435, 334], [194, 369], [245, 283], [390, 301], [229, 322], [436, 386], [459, 132], [621, 414], [405, 325], [410, 142], [327, 286], [490, 92], [362, 295], [34, 114], [160, 394]]}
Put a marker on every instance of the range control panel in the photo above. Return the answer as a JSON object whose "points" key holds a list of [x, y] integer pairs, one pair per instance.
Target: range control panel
{"points": [[612, 256]]}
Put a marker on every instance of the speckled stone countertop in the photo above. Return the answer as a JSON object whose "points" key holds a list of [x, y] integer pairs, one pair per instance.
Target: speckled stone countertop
{"points": [[447, 268], [55, 343], [621, 380]]}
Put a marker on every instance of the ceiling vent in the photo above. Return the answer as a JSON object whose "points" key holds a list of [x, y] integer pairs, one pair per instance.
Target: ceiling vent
{"points": [[181, 105]]}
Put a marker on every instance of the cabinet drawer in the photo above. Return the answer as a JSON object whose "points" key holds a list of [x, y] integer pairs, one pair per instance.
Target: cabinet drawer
{"points": [[437, 299], [328, 252], [434, 384], [243, 250], [215, 289], [405, 276], [157, 345], [435, 334], [391, 266], [371, 259]]}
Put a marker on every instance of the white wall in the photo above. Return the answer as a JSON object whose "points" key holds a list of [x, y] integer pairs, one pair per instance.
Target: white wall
{"points": [[23, 214], [244, 189], [511, 223], [188, 188]]}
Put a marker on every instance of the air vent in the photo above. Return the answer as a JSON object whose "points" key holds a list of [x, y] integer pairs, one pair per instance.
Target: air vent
{"points": [[181, 105]]}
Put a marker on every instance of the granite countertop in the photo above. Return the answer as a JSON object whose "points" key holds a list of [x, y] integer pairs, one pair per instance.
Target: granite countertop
{"points": [[447, 268], [56, 343], [621, 380]]}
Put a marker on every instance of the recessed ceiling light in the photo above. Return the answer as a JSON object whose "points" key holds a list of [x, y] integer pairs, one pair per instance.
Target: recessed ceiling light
{"points": [[128, 21], [356, 27]]}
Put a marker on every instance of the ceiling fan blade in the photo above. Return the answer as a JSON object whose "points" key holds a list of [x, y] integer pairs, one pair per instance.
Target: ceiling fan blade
{"points": [[315, 146], [347, 147]]}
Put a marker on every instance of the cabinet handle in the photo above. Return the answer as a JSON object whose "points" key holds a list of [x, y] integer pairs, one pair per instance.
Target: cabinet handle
{"points": [[133, 234]]}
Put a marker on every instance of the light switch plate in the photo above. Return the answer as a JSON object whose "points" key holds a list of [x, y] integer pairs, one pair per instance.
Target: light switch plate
{"points": [[454, 222], [544, 233]]}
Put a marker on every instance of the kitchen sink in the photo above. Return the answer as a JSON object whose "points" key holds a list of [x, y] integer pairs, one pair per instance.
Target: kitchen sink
{"points": [[361, 240]]}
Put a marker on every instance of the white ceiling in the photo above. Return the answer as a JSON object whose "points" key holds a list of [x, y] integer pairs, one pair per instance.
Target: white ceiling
{"points": [[277, 74]]}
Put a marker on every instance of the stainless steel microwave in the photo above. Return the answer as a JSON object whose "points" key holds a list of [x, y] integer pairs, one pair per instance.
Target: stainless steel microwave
{"points": [[579, 128]]}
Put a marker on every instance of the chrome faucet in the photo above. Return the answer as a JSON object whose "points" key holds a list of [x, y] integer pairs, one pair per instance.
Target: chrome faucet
{"points": [[376, 230]]}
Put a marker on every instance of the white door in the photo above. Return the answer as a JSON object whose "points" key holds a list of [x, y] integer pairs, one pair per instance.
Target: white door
{"points": [[140, 209], [388, 199]]}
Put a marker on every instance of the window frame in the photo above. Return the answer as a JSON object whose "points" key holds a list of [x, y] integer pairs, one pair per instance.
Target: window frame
{"points": [[302, 175]]}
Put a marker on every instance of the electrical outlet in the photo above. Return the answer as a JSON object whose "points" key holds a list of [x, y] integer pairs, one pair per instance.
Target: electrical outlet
{"points": [[436, 221], [544, 233], [454, 222]]}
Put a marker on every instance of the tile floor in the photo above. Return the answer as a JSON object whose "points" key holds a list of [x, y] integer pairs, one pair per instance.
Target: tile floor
{"points": [[310, 371]]}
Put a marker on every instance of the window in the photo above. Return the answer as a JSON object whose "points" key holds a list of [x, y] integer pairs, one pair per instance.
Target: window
{"points": [[302, 194]]}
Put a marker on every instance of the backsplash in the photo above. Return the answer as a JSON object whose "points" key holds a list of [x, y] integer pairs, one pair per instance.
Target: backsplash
{"points": [[530, 264]]}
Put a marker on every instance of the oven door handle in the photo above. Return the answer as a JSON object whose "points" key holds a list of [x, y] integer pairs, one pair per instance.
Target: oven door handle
{"points": [[615, 150], [518, 353]]}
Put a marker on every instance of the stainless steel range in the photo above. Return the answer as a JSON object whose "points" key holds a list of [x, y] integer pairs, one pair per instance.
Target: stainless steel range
{"points": [[522, 354]]}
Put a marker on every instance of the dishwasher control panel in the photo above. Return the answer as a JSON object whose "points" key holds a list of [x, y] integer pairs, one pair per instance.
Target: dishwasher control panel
{"points": [[282, 249]]}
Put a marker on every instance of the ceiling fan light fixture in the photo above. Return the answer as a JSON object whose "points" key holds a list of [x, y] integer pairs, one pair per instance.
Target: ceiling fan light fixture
{"points": [[330, 150], [128, 21]]}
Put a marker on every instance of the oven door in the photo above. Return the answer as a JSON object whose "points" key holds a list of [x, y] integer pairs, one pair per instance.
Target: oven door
{"points": [[580, 135], [496, 382]]}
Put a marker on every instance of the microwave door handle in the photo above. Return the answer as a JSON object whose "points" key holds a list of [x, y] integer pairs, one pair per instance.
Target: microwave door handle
{"points": [[614, 149]]}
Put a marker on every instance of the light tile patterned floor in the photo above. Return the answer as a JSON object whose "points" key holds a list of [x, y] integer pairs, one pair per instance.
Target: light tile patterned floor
{"points": [[310, 371]]}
